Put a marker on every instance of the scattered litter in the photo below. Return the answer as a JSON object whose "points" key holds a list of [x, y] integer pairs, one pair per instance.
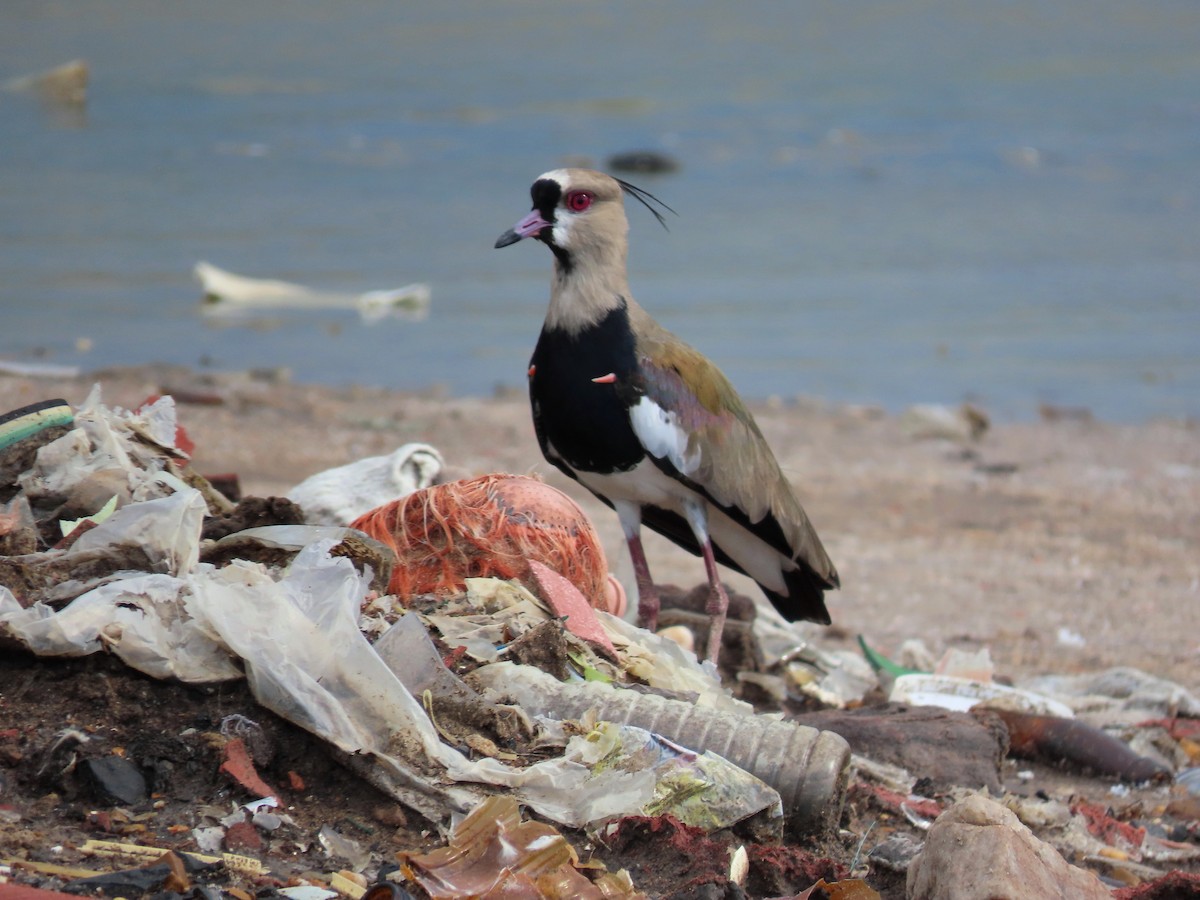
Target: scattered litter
{"points": [[1068, 637], [837, 678], [932, 420], [608, 770], [895, 853], [342, 847], [669, 858], [48, 419], [1189, 780], [963, 694], [504, 681], [948, 748], [739, 866], [1120, 695], [69, 525], [973, 665], [885, 666], [277, 545], [308, 892], [226, 293], [50, 371], [169, 872], [493, 853]]}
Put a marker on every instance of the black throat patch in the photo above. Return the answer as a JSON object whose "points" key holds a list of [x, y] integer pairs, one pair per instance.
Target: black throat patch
{"points": [[546, 194]]}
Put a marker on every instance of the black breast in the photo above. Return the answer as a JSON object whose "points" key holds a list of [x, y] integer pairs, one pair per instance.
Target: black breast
{"points": [[587, 423]]}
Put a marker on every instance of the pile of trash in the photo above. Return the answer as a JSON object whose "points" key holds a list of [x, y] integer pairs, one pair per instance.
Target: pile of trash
{"points": [[461, 648]]}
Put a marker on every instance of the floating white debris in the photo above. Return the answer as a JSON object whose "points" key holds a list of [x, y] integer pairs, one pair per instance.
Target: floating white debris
{"points": [[37, 370], [226, 293], [66, 84]]}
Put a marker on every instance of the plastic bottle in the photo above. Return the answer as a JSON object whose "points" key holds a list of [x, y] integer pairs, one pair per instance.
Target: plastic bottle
{"points": [[809, 768]]}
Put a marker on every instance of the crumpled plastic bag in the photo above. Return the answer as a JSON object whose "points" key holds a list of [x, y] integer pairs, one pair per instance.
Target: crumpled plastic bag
{"points": [[167, 528], [139, 616], [124, 449], [141, 619], [1117, 696], [339, 496]]}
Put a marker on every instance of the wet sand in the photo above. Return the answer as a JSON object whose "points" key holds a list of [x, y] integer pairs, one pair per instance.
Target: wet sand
{"points": [[1062, 545]]}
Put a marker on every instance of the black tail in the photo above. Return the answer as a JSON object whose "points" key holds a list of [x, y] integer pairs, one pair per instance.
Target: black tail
{"points": [[805, 599]]}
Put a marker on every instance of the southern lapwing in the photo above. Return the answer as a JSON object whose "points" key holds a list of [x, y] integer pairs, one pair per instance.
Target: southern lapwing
{"points": [[648, 424]]}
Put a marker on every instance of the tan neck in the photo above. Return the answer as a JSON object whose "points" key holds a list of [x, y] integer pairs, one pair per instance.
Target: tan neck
{"points": [[593, 286]]}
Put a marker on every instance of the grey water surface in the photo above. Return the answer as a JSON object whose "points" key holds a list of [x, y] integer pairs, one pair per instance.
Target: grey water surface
{"points": [[880, 202]]}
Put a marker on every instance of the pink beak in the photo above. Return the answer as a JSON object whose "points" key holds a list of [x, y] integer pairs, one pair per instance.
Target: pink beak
{"points": [[529, 226]]}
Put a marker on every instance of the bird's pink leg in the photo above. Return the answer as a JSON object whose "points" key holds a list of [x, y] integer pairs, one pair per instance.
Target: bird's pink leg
{"points": [[647, 592], [718, 604]]}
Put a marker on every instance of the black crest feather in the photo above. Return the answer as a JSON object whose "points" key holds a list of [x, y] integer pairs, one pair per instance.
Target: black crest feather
{"points": [[647, 200]]}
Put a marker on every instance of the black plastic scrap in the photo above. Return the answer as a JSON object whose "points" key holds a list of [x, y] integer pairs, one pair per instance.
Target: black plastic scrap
{"points": [[115, 778]]}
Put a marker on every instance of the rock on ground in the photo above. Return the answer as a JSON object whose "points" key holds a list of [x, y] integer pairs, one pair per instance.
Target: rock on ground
{"points": [[979, 850]]}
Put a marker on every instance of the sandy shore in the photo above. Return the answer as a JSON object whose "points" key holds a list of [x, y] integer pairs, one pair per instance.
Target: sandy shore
{"points": [[1063, 546]]}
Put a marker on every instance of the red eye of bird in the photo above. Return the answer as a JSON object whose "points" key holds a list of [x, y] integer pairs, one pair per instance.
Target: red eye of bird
{"points": [[578, 201]]}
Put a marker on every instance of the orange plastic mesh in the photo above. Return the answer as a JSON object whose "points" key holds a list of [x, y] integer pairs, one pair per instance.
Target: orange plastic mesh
{"points": [[489, 526]]}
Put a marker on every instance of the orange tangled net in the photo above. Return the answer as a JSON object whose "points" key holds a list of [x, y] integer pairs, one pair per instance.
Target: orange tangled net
{"points": [[490, 526]]}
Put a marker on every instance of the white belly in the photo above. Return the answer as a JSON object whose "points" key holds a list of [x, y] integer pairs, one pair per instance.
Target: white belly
{"points": [[646, 485]]}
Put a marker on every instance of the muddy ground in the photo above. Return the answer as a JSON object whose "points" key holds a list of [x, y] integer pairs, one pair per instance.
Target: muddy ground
{"points": [[1063, 545]]}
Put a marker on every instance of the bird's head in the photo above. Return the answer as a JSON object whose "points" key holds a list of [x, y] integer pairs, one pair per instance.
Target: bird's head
{"points": [[575, 212], [580, 215]]}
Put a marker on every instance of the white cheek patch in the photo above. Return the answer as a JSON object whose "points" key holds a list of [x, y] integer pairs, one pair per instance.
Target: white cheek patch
{"points": [[663, 437], [561, 234]]}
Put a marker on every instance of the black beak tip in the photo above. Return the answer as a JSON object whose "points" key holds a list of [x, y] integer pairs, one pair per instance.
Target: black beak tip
{"points": [[509, 237]]}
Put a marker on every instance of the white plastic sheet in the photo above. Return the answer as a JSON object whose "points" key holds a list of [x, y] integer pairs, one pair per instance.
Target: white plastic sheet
{"points": [[339, 496]]}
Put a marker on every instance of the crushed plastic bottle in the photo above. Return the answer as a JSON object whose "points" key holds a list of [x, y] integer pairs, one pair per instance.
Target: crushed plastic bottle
{"points": [[809, 768]]}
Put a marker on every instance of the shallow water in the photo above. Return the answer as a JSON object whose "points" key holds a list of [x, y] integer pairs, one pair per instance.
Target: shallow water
{"points": [[878, 202]]}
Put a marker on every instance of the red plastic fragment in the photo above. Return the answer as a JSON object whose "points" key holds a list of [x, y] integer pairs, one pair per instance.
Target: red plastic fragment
{"points": [[454, 657], [1112, 831], [567, 601], [893, 800], [240, 768]]}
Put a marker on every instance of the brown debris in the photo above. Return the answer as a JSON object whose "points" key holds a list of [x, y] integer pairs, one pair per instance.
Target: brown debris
{"points": [[253, 512], [1077, 744], [947, 748]]}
